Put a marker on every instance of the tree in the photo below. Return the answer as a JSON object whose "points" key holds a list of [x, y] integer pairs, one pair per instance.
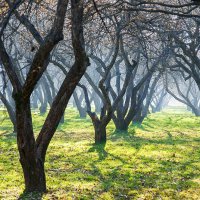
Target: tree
{"points": [[104, 90], [184, 91], [144, 108], [32, 151]]}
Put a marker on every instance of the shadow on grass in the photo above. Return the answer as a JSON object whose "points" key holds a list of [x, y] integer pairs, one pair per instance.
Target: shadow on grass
{"points": [[100, 149], [9, 134], [137, 125], [139, 142], [32, 195], [5, 127], [117, 134], [169, 136], [165, 175]]}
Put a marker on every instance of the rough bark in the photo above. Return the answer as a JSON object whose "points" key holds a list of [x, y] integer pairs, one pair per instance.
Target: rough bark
{"points": [[32, 165], [99, 128]]}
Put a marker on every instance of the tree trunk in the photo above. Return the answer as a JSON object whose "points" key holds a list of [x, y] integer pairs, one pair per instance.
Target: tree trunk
{"points": [[138, 119], [82, 113], [81, 110], [196, 112], [100, 133], [34, 102], [121, 125], [99, 128], [43, 107], [32, 164], [34, 175]]}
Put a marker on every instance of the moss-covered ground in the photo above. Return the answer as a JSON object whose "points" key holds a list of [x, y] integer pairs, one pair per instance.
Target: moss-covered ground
{"points": [[158, 160]]}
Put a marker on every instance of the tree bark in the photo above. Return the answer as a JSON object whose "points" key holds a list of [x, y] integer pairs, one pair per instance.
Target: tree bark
{"points": [[100, 133], [139, 117], [120, 123], [121, 126], [32, 165]]}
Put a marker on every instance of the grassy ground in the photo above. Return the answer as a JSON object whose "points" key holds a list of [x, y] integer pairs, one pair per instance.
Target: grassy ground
{"points": [[159, 160]]}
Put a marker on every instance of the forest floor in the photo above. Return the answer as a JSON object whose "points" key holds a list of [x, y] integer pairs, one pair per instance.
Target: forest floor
{"points": [[158, 160]]}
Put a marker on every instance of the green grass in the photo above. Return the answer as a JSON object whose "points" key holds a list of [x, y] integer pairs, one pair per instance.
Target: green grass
{"points": [[158, 160]]}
